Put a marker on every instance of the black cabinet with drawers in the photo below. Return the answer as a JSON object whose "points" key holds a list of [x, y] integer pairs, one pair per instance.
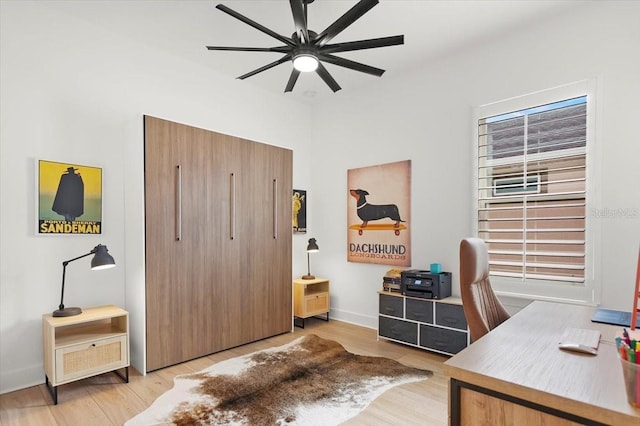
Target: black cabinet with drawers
{"points": [[435, 325]]}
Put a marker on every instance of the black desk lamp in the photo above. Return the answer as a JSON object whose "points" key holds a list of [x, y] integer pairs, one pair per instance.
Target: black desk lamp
{"points": [[101, 260], [311, 248]]}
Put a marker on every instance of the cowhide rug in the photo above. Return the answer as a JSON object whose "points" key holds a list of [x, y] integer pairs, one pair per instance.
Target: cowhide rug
{"points": [[310, 381]]}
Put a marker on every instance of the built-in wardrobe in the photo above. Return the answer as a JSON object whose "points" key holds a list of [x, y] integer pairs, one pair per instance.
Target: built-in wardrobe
{"points": [[218, 241]]}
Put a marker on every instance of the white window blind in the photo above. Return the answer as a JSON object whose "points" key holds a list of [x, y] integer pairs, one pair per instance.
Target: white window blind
{"points": [[532, 180]]}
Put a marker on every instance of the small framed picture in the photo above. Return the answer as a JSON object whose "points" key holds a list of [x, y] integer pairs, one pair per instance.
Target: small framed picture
{"points": [[299, 211]]}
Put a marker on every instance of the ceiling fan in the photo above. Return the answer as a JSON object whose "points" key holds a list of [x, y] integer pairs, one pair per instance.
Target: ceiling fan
{"points": [[308, 49]]}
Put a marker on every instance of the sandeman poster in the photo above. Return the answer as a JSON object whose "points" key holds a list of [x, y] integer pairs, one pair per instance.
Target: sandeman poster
{"points": [[69, 198]]}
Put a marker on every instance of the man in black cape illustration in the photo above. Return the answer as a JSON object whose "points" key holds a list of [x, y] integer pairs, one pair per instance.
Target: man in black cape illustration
{"points": [[69, 201]]}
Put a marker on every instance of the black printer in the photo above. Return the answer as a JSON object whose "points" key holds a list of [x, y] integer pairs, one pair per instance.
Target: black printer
{"points": [[424, 284]]}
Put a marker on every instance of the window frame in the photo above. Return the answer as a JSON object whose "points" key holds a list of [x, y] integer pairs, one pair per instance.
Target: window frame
{"points": [[582, 293]]}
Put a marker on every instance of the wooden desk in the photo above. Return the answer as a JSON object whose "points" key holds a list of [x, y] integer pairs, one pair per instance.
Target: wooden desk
{"points": [[517, 375]]}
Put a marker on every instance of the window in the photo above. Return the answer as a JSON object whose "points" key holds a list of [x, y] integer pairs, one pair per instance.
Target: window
{"points": [[532, 196]]}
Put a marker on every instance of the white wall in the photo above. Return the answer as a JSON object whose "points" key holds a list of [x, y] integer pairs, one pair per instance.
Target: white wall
{"points": [[427, 117], [72, 92]]}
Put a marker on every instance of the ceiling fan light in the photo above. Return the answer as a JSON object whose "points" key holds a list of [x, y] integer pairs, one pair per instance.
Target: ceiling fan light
{"points": [[305, 62]]}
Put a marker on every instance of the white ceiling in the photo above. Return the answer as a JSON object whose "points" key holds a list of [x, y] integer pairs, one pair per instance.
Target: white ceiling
{"points": [[431, 28]]}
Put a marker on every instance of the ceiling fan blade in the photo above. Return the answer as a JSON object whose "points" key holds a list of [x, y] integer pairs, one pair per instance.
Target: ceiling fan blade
{"points": [[363, 44], [282, 49], [292, 80], [300, 20], [255, 25], [344, 21], [353, 65], [326, 77], [284, 59]]}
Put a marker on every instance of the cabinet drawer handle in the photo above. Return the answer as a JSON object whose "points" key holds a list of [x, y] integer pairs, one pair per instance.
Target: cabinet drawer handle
{"points": [[93, 345], [178, 203], [232, 206], [450, 320], [275, 209]]}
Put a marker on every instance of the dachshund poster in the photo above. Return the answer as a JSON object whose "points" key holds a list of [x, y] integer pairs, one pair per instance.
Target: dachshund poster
{"points": [[69, 198], [379, 214]]}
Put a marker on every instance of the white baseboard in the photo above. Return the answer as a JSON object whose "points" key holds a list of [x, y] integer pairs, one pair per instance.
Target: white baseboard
{"points": [[354, 318], [20, 379]]}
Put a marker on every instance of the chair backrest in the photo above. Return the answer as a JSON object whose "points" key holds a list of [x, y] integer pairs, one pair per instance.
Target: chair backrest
{"points": [[482, 308]]}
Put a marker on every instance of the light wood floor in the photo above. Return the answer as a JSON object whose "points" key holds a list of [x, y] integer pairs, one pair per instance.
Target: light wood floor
{"points": [[106, 400]]}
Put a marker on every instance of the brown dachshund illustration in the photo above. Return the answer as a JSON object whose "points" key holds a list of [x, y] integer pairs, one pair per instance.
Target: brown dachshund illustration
{"points": [[368, 212]]}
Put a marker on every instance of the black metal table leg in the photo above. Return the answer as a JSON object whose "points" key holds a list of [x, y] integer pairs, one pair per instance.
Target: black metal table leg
{"points": [[53, 390], [124, 377], [301, 320]]}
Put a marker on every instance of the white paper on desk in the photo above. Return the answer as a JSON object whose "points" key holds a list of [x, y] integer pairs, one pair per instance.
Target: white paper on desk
{"points": [[581, 336]]}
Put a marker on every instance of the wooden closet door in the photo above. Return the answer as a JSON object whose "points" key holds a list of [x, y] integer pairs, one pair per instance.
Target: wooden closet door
{"points": [[225, 255], [212, 299], [279, 299], [189, 246], [165, 257], [266, 219]]}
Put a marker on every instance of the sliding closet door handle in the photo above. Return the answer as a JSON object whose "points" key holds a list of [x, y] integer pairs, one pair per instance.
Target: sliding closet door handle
{"points": [[232, 208], [178, 203], [275, 209]]}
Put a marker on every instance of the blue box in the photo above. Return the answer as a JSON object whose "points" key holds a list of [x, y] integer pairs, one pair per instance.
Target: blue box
{"points": [[435, 268]]}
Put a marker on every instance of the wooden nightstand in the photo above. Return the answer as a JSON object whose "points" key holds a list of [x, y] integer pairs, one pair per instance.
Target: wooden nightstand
{"points": [[85, 345], [310, 298]]}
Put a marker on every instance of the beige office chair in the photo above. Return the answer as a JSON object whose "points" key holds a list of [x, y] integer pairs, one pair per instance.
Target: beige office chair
{"points": [[482, 308]]}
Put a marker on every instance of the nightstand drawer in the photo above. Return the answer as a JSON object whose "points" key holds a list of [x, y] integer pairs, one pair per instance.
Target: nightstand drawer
{"points": [[399, 330], [391, 305], [86, 359], [451, 316], [316, 303]]}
